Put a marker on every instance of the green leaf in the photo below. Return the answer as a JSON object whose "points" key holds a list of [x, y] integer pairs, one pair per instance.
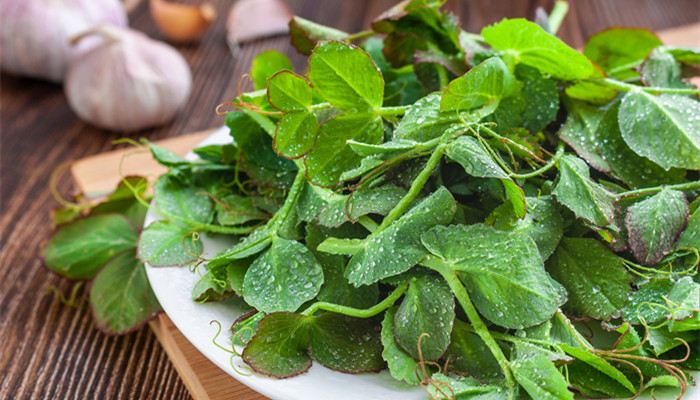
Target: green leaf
{"points": [[599, 364], [427, 307], [543, 223], [305, 34], [402, 366], [541, 98], [663, 340], [476, 161], [691, 234], [660, 69], [266, 64], [620, 50], [79, 249], [648, 302], [537, 374], [190, 203], [398, 248], [336, 289], [484, 85], [654, 224], [502, 271], [210, 288], [526, 42], [164, 156], [245, 327], [165, 243], [593, 383], [234, 209], [586, 198], [254, 141], [635, 170], [469, 354], [580, 131], [346, 77], [466, 388], [664, 129], [280, 347], [296, 134], [595, 278], [331, 155], [283, 278], [345, 344], [424, 121], [592, 91], [288, 91], [379, 200], [684, 54], [251, 245], [123, 201], [121, 298]]}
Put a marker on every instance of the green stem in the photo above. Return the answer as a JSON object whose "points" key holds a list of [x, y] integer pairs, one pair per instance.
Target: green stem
{"points": [[416, 187], [679, 186], [392, 111], [626, 87], [280, 216], [545, 168], [479, 326], [580, 339], [359, 35], [512, 339], [357, 312], [556, 17], [368, 223]]}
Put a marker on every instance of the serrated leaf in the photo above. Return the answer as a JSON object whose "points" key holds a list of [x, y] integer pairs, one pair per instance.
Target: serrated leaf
{"points": [[544, 224], [484, 85], [402, 366], [305, 34], [296, 134], [265, 65], [331, 155], [502, 271], [188, 202], [427, 307], [537, 374], [121, 298], [79, 249], [282, 278], [346, 77], [664, 129], [654, 224], [288, 91], [620, 50], [345, 344], [280, 347], [633, 169], [595, 278], [165, 243], [529, 44], [586, 198], [398, 247]]}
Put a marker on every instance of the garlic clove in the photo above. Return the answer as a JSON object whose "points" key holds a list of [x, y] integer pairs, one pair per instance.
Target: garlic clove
{"points": [[255, 19], [180, 22], [128, 82]]}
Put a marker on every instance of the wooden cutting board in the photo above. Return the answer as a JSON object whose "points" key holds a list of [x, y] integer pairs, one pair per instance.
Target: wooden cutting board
{"points": [[204, 380]]}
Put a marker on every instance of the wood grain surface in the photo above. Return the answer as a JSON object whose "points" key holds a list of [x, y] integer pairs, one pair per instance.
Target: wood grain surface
{"points": [[51, 351]]}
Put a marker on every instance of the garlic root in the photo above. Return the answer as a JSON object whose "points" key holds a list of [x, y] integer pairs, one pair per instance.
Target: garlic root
{"points": [[180, 22]]}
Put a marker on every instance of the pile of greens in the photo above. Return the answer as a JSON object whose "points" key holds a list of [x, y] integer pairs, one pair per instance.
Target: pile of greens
{"points": [[487, 216]]}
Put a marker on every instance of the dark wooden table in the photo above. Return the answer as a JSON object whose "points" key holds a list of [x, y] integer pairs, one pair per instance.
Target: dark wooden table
{"points": [[51, 351]]}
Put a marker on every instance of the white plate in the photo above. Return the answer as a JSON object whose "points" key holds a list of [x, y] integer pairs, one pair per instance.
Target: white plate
{"points": [[173, 288]]}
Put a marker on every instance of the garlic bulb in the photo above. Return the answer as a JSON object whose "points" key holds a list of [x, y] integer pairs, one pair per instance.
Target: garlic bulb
{"points": [[128, 82], [34, 33]]}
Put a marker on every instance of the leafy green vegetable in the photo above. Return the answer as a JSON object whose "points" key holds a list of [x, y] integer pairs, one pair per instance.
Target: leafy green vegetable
{"points": [[431, 181]]}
